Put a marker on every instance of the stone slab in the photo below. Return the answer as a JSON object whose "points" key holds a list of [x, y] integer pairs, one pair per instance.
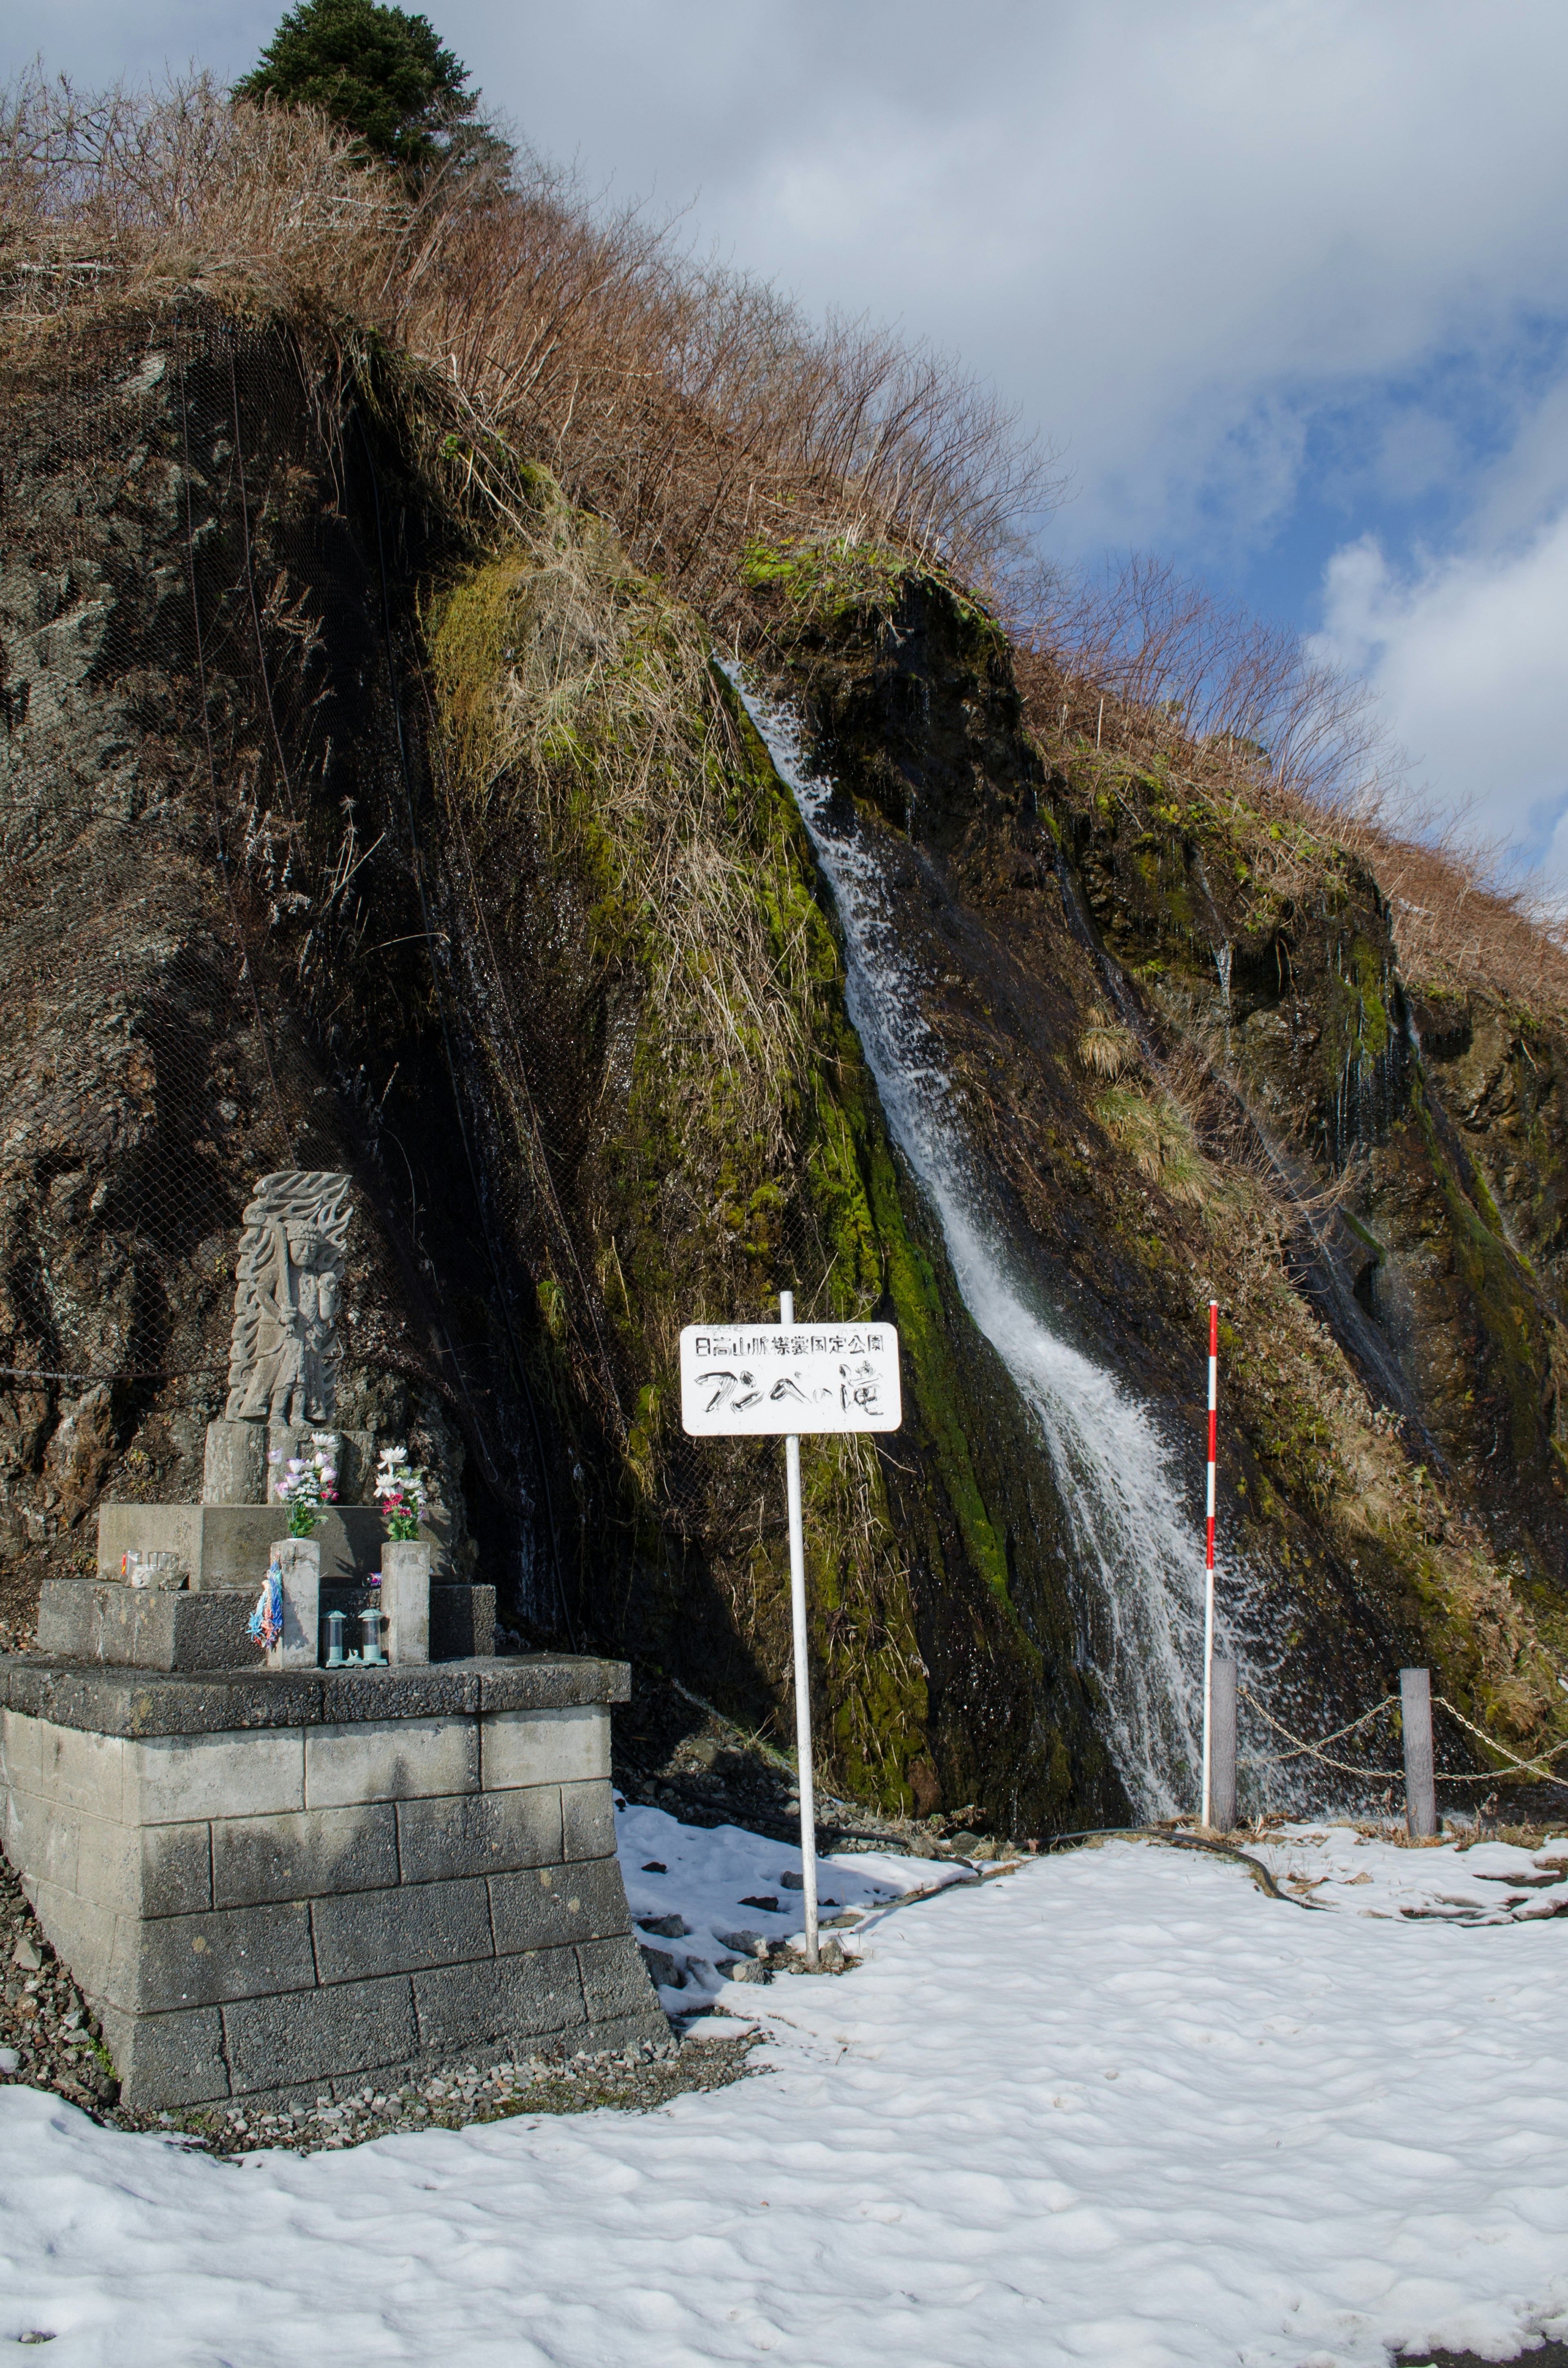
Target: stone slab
{"points": [[300, 1856], [233, 1467], [84, 1932], [530, 1746], [350, 1695], [81, 1769], [130, 1870], [318, 2034], [588, 1819], [171, 1961], [549, 1907], [616, 1988], [462, 1623], [528, 1996], [172, 1779], [143, 1627], [226, 1545], [479, 1833], [346, 1765], [165, 2060], [418, 1924], [109, 1700]]}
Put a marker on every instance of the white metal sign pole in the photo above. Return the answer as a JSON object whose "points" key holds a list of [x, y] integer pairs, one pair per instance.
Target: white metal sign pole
{"points": [[1209, 1566], [803, 1671], [771, 1381]]}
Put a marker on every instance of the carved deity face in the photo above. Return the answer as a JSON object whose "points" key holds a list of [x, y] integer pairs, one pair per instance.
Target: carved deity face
{"points": [[309, 1251]]}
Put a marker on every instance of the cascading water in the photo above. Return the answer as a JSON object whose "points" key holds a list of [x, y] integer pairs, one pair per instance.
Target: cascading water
{"points": [[1136, 1536]]}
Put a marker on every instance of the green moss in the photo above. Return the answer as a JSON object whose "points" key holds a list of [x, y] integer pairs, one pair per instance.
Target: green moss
{"points": [[825, 579], [1374, 1018], [1499, 1289], [742, 1153]]}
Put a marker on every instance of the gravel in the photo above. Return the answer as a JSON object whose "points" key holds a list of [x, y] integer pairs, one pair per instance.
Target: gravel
{"points": [[49, 2039]]}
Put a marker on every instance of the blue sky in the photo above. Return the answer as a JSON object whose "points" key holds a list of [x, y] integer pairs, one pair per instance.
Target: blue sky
{"points": [[1285, 280]]}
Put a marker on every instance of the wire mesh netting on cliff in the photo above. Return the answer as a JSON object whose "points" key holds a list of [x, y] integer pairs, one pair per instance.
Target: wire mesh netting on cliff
{"points": [[232, 943]]}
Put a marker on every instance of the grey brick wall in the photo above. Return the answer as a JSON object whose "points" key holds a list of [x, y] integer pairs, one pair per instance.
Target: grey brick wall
{"points": [[305, 1905]]}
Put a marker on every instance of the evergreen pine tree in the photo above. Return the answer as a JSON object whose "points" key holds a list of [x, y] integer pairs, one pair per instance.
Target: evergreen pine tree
{"points": [[383, 75]]}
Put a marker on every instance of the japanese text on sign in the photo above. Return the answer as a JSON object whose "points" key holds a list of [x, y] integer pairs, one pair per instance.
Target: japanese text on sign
{"points": [[760, 1380]]}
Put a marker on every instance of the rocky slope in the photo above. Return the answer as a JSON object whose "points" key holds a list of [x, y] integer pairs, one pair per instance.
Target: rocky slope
{"points": [[351, 818]]}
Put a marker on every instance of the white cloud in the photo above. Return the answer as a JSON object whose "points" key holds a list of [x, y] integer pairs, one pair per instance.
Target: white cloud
{"points": [[1166, 227], [1180, 234], [1466, 652]]}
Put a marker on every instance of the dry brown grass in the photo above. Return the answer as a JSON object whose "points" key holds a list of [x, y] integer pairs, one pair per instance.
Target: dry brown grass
{"points": [[1146, 687], [1456, 934], [574, 693], [698, 411], [694, 407]]}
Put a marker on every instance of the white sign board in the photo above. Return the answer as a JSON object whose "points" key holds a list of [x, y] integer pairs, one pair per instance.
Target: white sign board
{"points": [[756, 1381]]}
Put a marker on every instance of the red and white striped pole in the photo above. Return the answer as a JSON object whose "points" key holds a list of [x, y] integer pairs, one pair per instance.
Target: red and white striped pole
{"points": [[1209, 1555]]}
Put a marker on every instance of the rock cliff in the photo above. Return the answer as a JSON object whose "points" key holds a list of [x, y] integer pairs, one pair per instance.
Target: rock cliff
{"points": [[352, 821]]}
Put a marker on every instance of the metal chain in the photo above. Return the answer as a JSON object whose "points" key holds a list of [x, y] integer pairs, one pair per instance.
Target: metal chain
{"points": [[1300, 1750], [1535, 1770]]}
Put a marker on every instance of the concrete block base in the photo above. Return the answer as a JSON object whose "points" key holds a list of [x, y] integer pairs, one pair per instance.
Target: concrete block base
{"points": [[143, 1628], [273, 1886], [226, 1545]]}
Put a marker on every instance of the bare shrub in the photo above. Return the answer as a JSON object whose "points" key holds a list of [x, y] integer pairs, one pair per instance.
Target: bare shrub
{"points": [[694, 407], [1207, 683], [102, 197], [1143, 683]]}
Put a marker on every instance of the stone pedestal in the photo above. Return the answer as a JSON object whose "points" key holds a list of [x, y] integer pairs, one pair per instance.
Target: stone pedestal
{"points": [[226, 1545], [270, 1886], [234, 1471], [406, 1599], [145, 1628], [351, 1453], [85, 1620], [299, 1562]]}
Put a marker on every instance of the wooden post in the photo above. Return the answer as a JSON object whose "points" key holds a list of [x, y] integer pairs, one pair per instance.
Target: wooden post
{"points": [[1420, 1785], [1225, 1771]]}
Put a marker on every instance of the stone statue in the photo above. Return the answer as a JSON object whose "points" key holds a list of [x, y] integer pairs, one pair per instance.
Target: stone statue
{"points": [[282, 1366]]}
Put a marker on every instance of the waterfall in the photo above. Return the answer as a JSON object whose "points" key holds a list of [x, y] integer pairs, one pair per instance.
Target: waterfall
{"points": [[1222, 964], [1134, 1523]]}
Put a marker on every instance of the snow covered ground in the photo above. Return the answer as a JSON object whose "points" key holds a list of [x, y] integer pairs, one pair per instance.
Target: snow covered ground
{"points": [[1115, 2107], [731, 1889]]}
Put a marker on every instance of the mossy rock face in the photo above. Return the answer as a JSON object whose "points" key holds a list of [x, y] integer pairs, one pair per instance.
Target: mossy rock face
{"points": [[659, 872], [1386, 1349], [542, 957]]}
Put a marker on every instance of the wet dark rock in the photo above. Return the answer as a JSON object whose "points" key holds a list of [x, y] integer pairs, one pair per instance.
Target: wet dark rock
{"points": [[175, 1023]]}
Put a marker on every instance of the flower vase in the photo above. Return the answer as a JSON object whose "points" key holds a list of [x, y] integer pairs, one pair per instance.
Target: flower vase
{"points": [[299, 1562], [406, 1599]]}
